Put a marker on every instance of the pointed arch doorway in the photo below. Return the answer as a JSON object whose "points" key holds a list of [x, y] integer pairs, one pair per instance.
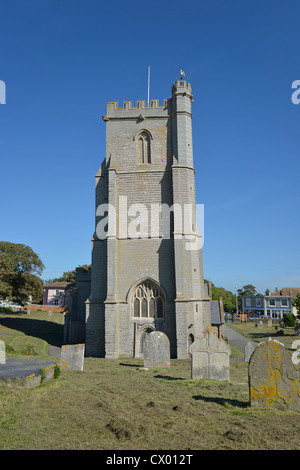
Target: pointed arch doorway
{"points": [[147, 307], [141, 335]]}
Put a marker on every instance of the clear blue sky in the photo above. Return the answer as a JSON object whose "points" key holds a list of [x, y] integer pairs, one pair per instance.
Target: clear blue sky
{"points": [[63, 60]]}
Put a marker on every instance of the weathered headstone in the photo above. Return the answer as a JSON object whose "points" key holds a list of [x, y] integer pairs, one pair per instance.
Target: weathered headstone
{"points": [[273, 380], [210, 357], [157, 350], [2, 352], [249, 348], [72, 356], [269, 322]]}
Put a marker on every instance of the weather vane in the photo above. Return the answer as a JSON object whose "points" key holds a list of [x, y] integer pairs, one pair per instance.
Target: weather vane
{"points": [[182, 74]]}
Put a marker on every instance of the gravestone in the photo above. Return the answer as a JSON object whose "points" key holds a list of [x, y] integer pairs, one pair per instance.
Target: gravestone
{"points": [[249, 348], [2, 352], [72, 356], [210, 357], [157, 350], [269, 322], [273, 380]]}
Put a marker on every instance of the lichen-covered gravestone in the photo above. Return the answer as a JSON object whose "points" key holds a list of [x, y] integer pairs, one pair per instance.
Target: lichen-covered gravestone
{"points": [[210, 357], [157, 350], [72, 356], [2, 352], [273, 377]]}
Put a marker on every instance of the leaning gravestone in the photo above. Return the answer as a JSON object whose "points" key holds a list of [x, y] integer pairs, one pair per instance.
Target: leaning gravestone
{"points": [[273, 380], [72, 356], [248, 351], [210, 356], [157, 350], [2, 352]]}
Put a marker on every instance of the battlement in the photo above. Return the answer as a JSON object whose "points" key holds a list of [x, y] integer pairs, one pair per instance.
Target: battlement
{"points": [[141, 104], [140, 111], [181, 87], [181, 83]]}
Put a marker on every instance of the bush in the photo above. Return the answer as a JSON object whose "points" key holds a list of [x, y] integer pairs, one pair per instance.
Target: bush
{"points": [[6, 310], [57, 371], [289, 319]]}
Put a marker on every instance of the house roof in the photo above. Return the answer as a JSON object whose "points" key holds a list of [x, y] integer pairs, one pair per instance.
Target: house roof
{"points": [[292, 291], [58, 285], [286, 292]]}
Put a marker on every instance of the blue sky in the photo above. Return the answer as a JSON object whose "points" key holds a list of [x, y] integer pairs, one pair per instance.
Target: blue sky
{"points": [[63, 60]]}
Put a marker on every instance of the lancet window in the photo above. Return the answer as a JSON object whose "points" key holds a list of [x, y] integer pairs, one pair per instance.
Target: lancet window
{"points": [[144, 147]]}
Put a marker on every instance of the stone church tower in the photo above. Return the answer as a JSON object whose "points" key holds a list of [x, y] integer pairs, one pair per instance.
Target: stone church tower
{"points": [[146, 273]]}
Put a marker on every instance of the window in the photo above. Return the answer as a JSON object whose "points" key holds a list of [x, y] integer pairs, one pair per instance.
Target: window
{"points": [[284, 302], [57, 292], [272, 302], [144, 147], [148, 301], [258, 302]]}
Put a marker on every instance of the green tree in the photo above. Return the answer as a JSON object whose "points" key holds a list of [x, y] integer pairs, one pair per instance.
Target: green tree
{"points": [[20, 267], [70, 276], [247, 289], [227, 297]]}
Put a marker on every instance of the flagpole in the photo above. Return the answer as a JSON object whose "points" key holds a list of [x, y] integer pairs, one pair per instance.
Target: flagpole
{"points": [[148, 84]]}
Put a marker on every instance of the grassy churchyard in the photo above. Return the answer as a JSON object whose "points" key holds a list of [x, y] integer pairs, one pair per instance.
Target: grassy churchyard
{"points": [[114, 405]]}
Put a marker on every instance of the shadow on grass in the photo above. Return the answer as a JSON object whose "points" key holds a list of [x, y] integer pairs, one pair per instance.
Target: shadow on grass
{"points": [[130, 365], [168, 377], [46, 330], [222, 401], [258, 336]]}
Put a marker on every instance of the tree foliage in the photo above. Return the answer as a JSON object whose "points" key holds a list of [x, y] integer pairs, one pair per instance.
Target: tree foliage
{"points": [[67, 276], [20, 267], [288, 319], [247, 289], [227, 297]]}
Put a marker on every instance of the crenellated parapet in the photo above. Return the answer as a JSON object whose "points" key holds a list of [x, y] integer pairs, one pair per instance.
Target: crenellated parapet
{"points": [[140, 111]]}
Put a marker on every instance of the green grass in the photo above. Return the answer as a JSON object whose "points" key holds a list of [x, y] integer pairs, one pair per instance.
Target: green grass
{"points": [[262, 332], [30, 334], [113, 405]]}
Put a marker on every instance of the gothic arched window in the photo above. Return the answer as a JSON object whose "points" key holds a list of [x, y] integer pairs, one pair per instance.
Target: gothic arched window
{"points": [[144, 147], [148, 301]]}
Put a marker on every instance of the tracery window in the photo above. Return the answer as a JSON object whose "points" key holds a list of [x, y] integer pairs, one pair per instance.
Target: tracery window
{"points": [[148, 301], [144, 147]]}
